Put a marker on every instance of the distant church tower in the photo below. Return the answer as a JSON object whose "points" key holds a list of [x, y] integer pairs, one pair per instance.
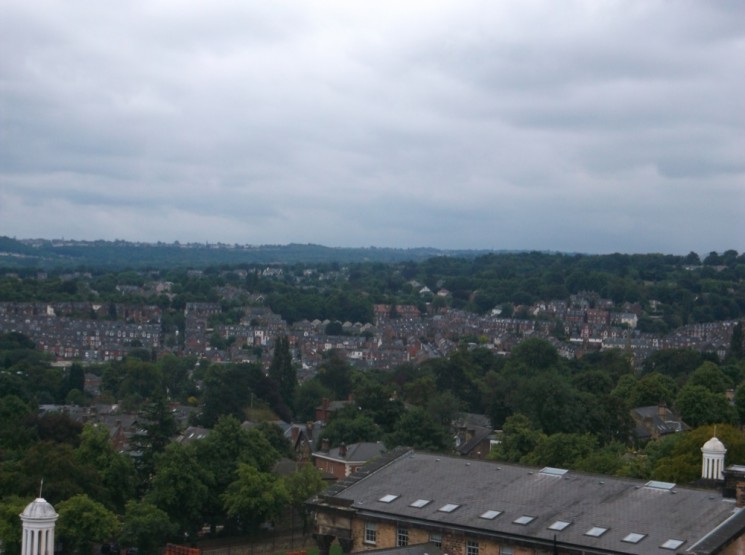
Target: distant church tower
{"points": [[712, 466], [38, 528]]}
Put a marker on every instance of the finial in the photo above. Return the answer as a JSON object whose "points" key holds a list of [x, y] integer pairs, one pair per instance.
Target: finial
{"points": [[41, 487]]}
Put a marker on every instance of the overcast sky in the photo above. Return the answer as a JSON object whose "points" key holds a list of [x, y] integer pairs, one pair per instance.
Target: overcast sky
{"points": [[591, 126]]}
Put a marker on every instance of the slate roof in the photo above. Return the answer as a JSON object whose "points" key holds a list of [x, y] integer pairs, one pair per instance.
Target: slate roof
{"points": [[356, 452], [623, 506]]}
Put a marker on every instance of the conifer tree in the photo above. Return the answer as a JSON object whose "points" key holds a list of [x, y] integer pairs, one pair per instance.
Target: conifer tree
{"points": [[283, 372]]}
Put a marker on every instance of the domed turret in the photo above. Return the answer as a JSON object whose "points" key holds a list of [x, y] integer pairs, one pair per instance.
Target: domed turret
{"points": [[712, 466], [38, 528]]}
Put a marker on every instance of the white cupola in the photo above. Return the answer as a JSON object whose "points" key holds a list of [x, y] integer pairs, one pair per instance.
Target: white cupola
{"points": [[712, 466], [38, 520]]}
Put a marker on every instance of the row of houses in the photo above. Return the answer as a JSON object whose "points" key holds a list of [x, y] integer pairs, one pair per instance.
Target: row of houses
{"points": [[93, 332]]}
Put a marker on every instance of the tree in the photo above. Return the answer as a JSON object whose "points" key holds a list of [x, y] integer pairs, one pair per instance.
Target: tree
{"points": [[116, 472], [156, 429], [283, 372], [75, 379], [180, 487], [254, 497], [310, 394], [227, 390], [300, 486], [15, 433], [562, 450], [64, 475], [83, 522], [419, 430], [220, 453], [710, 376], [146, 527], [519, 439], [335, 374], [351, 426], [737, 342], [698, 405], [10, 524]]}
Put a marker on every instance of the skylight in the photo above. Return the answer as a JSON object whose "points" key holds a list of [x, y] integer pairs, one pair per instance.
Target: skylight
{"points": [[419, 503], [449, 508], [523, 520], [388, 498], [634, 538], [559, 525], [490, 515], [672, 544], [654, 484], [596, 531], [551, 471]]}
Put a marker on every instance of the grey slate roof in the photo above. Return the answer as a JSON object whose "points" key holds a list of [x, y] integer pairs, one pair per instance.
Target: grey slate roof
{"points": [[623, 506], [356, 452]]}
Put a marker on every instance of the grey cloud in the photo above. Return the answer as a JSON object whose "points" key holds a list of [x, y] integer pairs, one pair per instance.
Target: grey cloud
{"points": [[511, 125]]}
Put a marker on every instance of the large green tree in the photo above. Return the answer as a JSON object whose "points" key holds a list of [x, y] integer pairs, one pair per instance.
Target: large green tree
{"points": [[418, 429], [181, 487], [10, 523], [83, 522], [116, 472], [255, 497], [146, 527]]}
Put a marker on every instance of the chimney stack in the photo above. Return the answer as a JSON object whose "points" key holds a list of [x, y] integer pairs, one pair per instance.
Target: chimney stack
{"points": [[662, 409], [343, 450], [325, 445], [740, 495]]}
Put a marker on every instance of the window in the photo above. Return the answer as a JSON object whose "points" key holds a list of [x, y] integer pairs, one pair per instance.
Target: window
{"points": [[559, 525], [524, 520], [371, 533], [419, 503], [472, 547], [436, 539], [490, 515], [596, 531], [388, 498], [449, 508], [505, 550], [402, 537], [634, 538], [672, 544]]}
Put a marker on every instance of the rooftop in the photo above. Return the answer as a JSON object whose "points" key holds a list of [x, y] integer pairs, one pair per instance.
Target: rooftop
{"points": [[602, 513]]}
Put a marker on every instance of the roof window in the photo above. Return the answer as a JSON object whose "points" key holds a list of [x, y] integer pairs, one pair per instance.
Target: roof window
{"points": [[634, 538], [490, 515], [551, 471], [672, 544], [449, 508], [654, 484], [388, 498], [524, 520], [419, 503], [559, 525], [596, 531]]}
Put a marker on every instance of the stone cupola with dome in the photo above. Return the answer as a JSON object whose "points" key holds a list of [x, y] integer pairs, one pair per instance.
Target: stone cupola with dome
{"points": [[38, 518], [712, 466]]}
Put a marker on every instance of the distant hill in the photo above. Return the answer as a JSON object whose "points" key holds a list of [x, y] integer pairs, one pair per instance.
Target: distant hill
{"points": [[49, 254]]}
